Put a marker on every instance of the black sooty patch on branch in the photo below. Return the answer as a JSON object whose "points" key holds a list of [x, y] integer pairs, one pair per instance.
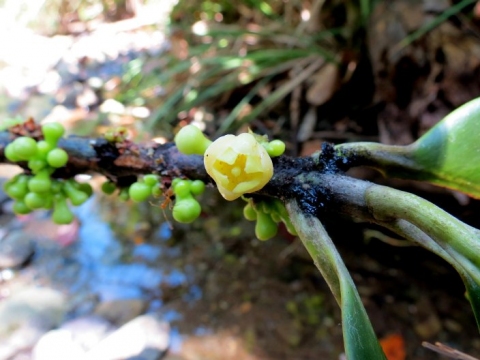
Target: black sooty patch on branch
{"points": [[329, 162], [107, 153], [312, 200]]}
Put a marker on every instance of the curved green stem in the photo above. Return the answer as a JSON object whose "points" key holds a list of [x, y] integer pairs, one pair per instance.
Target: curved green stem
{"points": [[422, 222], [390, 160], [359, 338], [456, 239]]}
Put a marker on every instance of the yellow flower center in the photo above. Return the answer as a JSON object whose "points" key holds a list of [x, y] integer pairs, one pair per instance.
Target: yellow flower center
{"points": [[238, 164]]}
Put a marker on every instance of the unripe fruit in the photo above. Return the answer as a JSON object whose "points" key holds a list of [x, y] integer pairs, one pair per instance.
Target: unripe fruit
{"points": [[20, 208], [10, 153], [182, 188], [123, 195], [35, 201], [56, 187], [290, 227], [139, 192], [36, 164], [186, 211], [150, 179], [109, 187], [85, 188], [275, 217], [16, 191], [43, 148], [41, 182], [197, 187], [249, 212], [57, 158], [52, 133], [61, 211], [76, 196], [175, 182], [275, 148], [156, 191], [191, 141], [265, 227], [25, 148]]}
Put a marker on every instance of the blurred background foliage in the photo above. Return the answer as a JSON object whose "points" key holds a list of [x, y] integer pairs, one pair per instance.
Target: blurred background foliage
{"points": [[305, 71], [240, 63]]}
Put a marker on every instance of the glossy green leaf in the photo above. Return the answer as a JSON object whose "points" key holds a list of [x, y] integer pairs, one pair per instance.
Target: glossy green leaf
{"points": [[359, 338], [473, 292], [448, 155]]}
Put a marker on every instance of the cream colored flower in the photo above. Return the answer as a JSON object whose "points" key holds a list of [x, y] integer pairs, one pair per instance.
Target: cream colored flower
{"points": [[238, 164]]}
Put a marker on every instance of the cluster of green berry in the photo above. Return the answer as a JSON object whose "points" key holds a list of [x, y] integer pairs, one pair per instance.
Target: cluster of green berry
{"points": [[187, 208], [268, 215], [40, 191], [139, 191]]}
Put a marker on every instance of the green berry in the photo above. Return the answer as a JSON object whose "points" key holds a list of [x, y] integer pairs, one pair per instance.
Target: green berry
{"points": [[56, 187], [175, 182], [187, 210], [48, 202], [182, 188], [76, 196], [57, 158], [25, 148], [41, 182], [275, 217], [36, 164], [265, 227], [139, 192], [150, 179], [43, 148], [16, 191], [249, 212], [197, 187], [61, 212], [123, 195], [190, 140], [275, 148], [35, 201], [20, 208], [85, 188], [157, 191], [109, 187], [52, 133], [17, 187], [10, 153], [290, 227]]}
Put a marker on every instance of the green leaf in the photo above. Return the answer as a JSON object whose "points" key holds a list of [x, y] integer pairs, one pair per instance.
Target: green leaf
{"points": [[473, 291], [448, 155], [359, 338]]}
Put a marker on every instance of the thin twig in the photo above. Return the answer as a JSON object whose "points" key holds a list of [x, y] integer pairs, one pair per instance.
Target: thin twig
{"points": [[447, 351]]}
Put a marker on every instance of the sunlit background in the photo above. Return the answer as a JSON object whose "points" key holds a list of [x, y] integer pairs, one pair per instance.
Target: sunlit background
{"points": [[123, 281], [67, 290]]}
